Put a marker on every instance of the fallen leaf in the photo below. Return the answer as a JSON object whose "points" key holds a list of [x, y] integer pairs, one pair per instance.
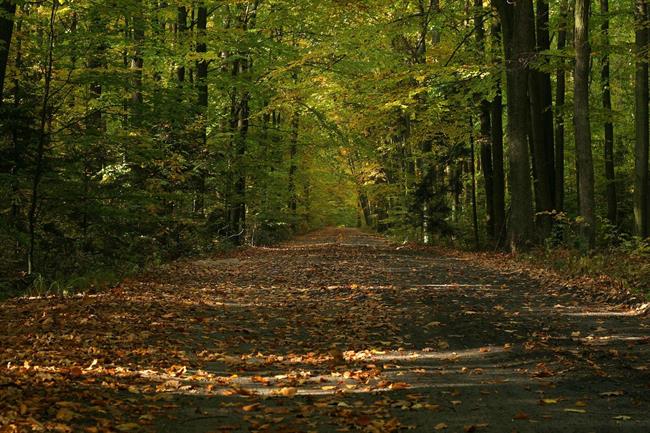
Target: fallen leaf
{"points": [[65, 414], [521, 416], [287, 392], [572, 410], [128, 427], [76, 371], [441, 426], [616, 393]]}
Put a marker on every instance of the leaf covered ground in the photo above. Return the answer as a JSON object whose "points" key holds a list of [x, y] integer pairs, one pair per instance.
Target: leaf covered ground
{"points": [[337, 331]]}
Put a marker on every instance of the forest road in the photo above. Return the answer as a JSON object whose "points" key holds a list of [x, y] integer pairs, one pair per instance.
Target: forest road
{"points": [[335, 331]]}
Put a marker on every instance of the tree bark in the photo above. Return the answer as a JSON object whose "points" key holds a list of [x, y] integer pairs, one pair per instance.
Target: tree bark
{"points": [[541, 116], [641, 121], [202, 102], [496, 133], [608, 126], [517, 24], [43, 138], [137, 64], [581, 123], [7, 13], [484, 138], [477, 240], [560, 96], [293, 168], [181, 33]]}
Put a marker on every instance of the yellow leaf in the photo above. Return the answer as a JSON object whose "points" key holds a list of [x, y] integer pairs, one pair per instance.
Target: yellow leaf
{"points": [[571, 410], [287, 392], [128, 427], [65, 414], [250, 407]]}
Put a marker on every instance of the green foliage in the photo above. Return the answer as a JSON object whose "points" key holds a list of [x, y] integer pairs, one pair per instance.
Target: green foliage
{"points": [[319, 113]]}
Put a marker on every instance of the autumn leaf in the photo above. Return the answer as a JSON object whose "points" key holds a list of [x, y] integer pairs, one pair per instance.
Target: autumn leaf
{"points": [[521, 416], [287, 392], [572, 410], [65, 414], [128, 427], [616, 393]]}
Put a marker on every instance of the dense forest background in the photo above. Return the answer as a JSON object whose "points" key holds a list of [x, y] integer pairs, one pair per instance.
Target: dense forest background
{"points": [[138, 131]]}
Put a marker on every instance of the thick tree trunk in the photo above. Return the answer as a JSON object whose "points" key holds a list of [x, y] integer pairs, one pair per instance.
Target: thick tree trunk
{"points": [[20, 138], [7, 13], [484, 138], [641, 121], [542, 124], [242, 67], [496, 130], [517, 24], [560, 94], [43, 138], [610, 173], [581, 123]]}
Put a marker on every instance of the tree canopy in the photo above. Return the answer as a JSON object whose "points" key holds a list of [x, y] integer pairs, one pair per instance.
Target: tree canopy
{"points": [[136, 131]]}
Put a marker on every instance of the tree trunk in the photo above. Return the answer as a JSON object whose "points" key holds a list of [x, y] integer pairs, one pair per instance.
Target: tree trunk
{"points": [[541, 117], [560, 93], [20, 138], [581, 123], [496, 132], [42, 143], [517, 24], [610, 174], [137, 63], [484, 138], [7, 13], [293, 168], [477, 241], [202, 102], [181, 32], [641, 121]]}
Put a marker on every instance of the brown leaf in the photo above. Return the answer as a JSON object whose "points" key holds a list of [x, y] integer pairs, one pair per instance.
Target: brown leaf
{"points": [[616, 393], [521, 415], [65, 414], [287, 392]]}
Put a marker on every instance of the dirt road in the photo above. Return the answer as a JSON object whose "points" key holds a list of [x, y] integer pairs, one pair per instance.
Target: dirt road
{"points": [[335, 331]]}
